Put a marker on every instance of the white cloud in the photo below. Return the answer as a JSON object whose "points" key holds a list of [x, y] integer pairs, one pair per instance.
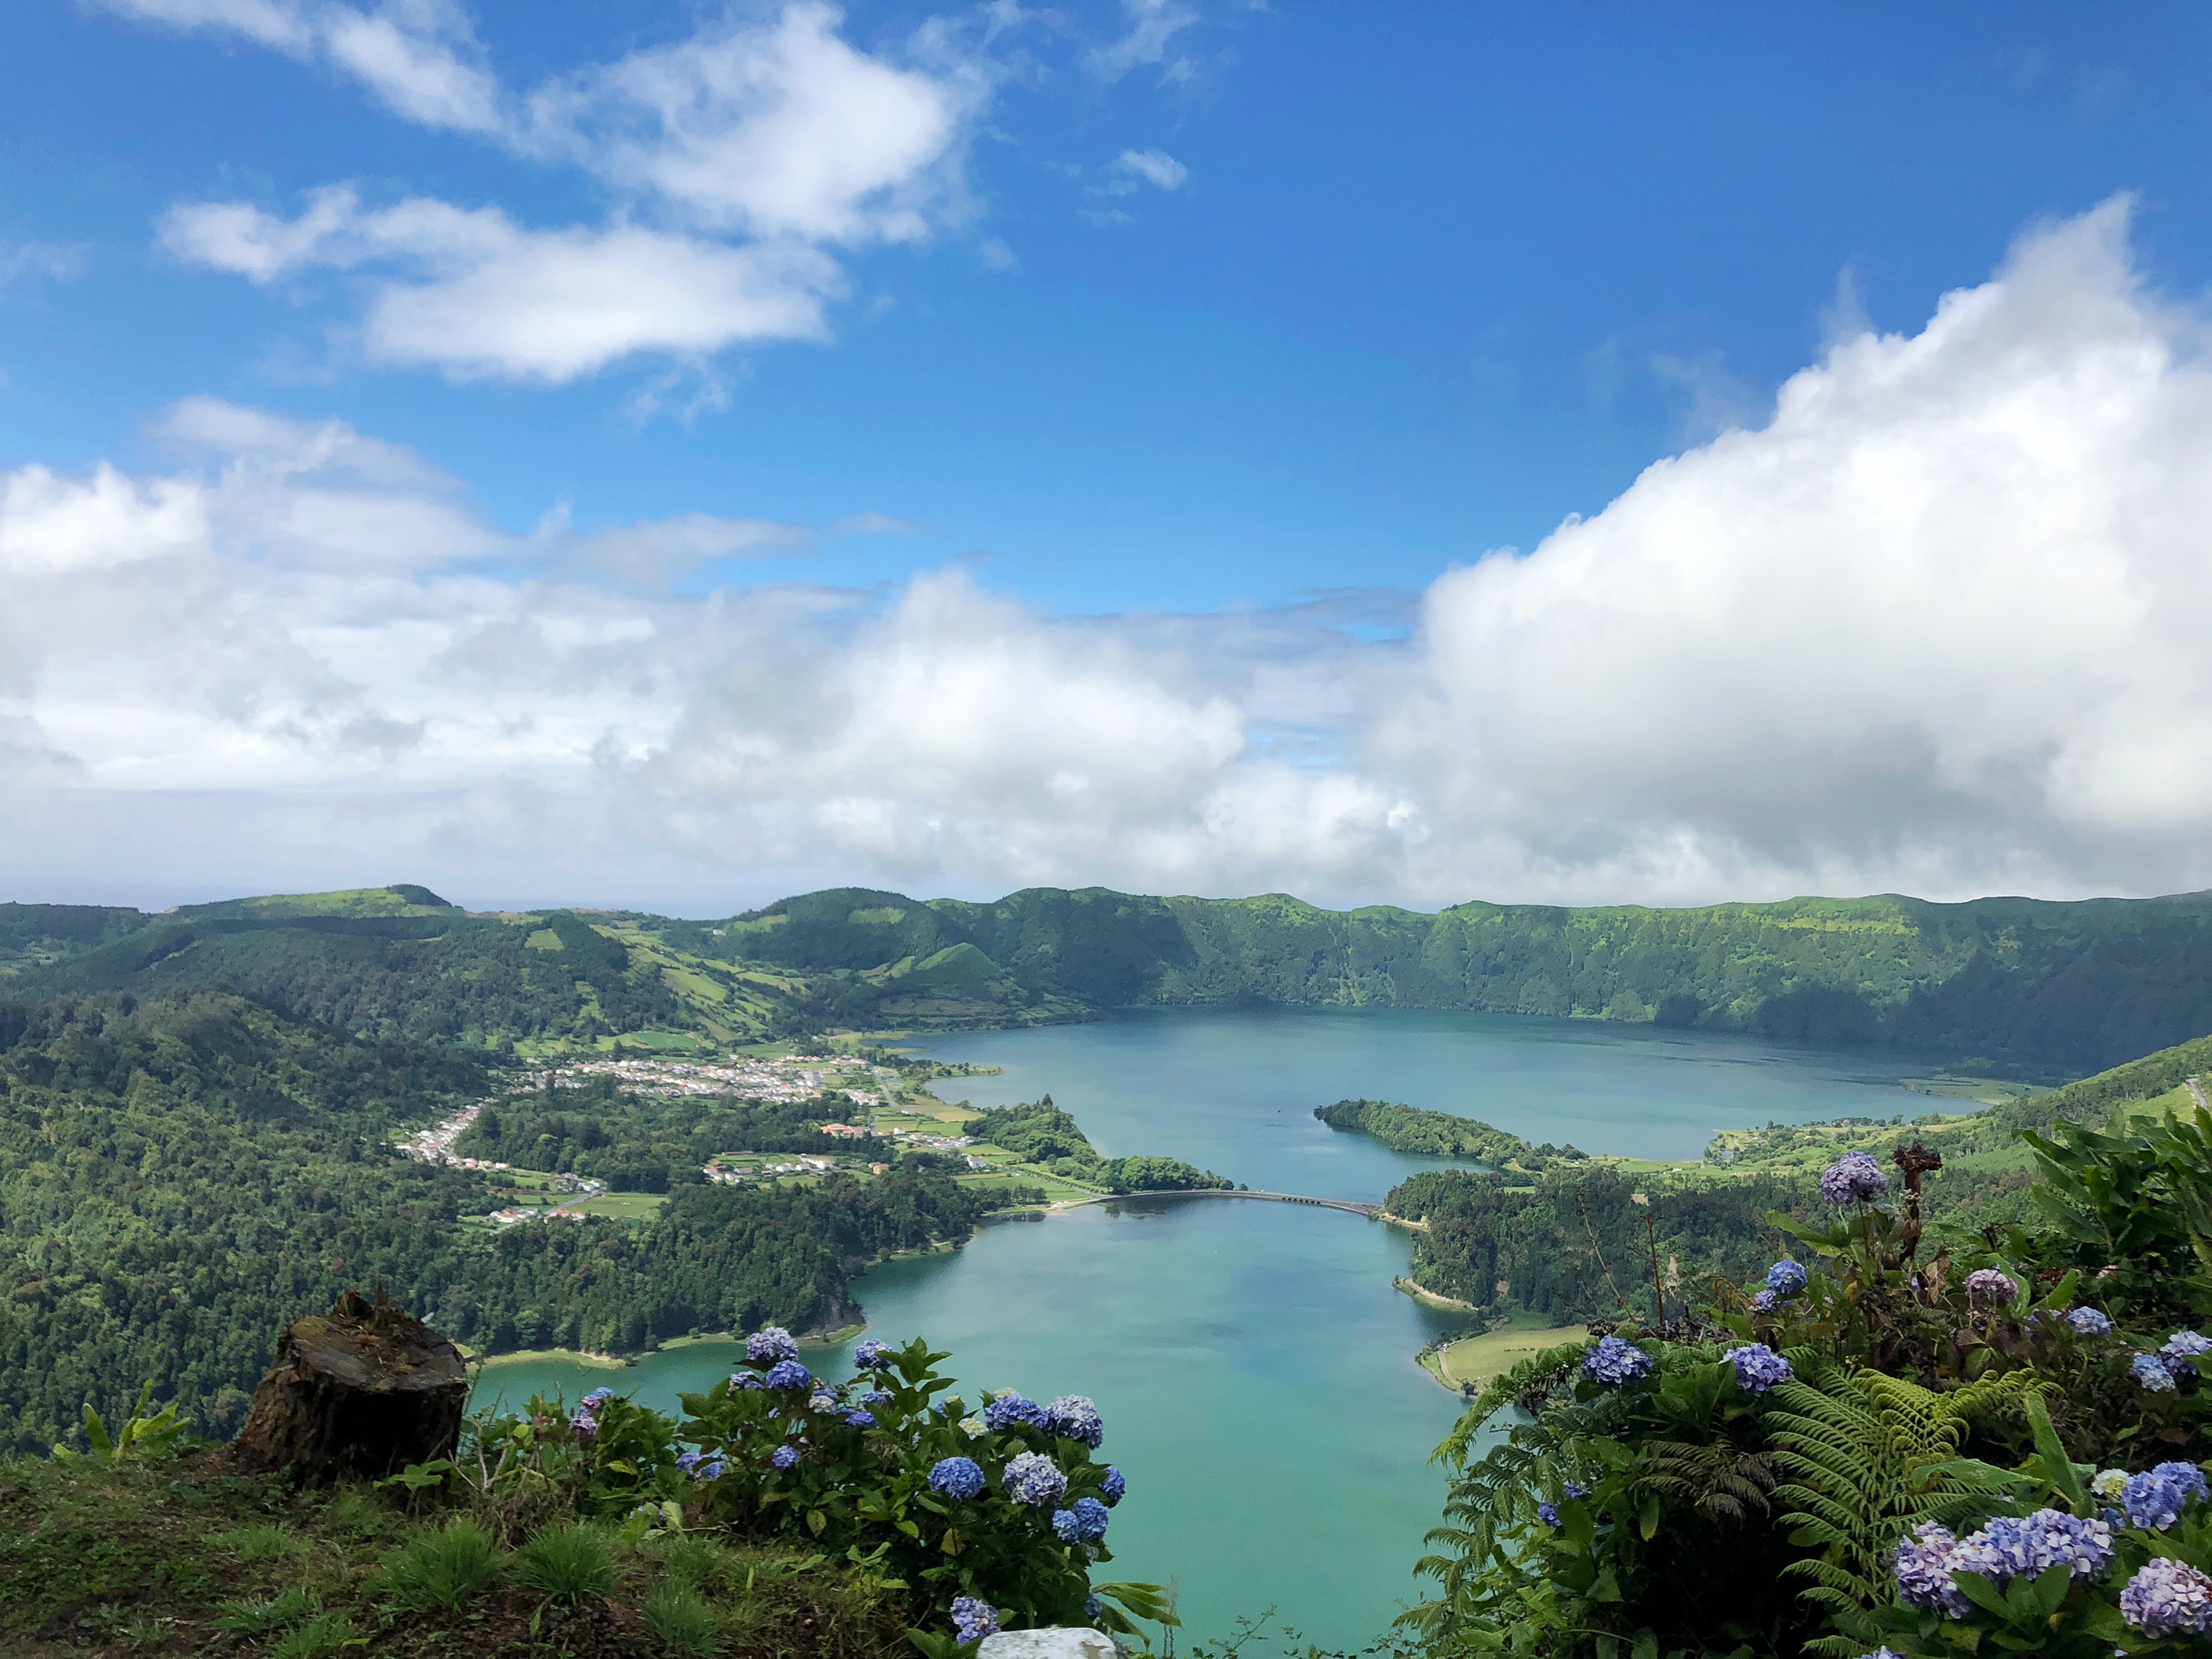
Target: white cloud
{"points": [[1155, 167], [1932, 625], [1149, 27], [49, 259], [474, 293], [774, 129], [756, 146], [420, 57]]}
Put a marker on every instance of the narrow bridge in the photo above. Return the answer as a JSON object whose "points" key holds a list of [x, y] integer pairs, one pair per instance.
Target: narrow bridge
{"points": [[1370, 1211]]}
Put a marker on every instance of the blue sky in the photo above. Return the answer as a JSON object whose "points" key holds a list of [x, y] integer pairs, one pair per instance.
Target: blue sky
{"points": [[1188, 348]]}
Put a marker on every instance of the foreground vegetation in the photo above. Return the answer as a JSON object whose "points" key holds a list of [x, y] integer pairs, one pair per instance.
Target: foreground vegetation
{"points": [[783, 1516], [1926, 1434]]}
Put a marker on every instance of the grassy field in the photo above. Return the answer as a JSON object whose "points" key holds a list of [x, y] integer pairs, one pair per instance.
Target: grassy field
{"points": [[621, 1206], [1473, 1360]]}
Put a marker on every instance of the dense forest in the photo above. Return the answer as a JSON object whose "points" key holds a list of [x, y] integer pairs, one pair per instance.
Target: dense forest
{"points": [[1040, 1133], [180, 1176], [1435, 1134], [2014, 985]]}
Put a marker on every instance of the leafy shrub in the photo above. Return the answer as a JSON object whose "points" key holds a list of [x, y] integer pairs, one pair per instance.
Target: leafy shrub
{"points": [[440, 1570], [257, 1617], [325, 1634], [263, 1540], [1005, 1509], [567, 1561], [680, 1617]]}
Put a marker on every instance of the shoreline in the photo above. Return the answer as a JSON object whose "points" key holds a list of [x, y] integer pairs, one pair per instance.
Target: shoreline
{"points": [[1422, 1294]]}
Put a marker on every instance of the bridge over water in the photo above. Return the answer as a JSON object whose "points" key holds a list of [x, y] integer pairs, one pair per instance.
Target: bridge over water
{"points": [[1371, 1211]]}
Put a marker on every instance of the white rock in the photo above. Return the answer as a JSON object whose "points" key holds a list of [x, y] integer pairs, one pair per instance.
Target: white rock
{"points": [[1047, 1644]]}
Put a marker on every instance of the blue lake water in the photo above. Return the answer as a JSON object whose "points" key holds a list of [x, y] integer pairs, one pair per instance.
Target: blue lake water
{"points": [[1254, 1365]]}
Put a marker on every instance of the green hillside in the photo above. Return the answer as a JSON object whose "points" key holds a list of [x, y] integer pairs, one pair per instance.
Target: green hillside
{"points": [[2011, 982], [2000, 984]]}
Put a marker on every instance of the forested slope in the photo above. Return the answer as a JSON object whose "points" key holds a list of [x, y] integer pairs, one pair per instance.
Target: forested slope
{"points": [[181, 1176]]}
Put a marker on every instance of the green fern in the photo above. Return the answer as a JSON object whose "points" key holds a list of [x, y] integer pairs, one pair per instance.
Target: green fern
{"points": [[1869, 1457]]}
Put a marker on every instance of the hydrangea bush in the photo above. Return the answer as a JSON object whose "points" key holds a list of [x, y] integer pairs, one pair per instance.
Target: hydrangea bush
{"points": [[987, 1521]]}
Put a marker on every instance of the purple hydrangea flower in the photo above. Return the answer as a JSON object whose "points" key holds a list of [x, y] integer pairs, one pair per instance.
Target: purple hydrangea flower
{"points": [[1075, 1418], [1883, 1653], [765, 1348], [870, 1356], [2089, 1322], [2151, 1374], [1988, 1284], [1852, 1178], [2166, 1598], [1757, 1367], [788, 1376], [745, 1380], [1764, 1302], [877, 1397], [1575, 1489], [1548, 1513], [1786, 1278], [585, 1422], [1924, 1571], [1011, 1408], [859, 1419], [2177, 1351], [1614, 1361], [709, 1470], [2156, 1499], [785, 1458], [973, 1620], [1112, 1486], [688, 1460], [1034, 1479], [599, 1397]]}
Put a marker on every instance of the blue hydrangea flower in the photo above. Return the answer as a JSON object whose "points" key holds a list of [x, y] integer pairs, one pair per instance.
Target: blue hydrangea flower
{"points": [[585, 1422], [1091, 1519], [709, 1470], [1034, 1479], [1852, 1178], [870, 1356], [2089, 1322], [1786, 1278], [957, 1477], [745, 1380], [1548, 1513], [1063, 1525], [688, 1460], [1757, 1367], [877, 1398], [1883, 1653], [788, 1376], [1989, 1284], [765, 1348], [2009, 1548], [785, 1458], [1092, 1607], [859, 1419], [2151, 1374], [1764, 1302], [823, 1402], [2177, 1351], [1614, 1361], [1075, 1418], [1575, 1489], [2166, 1598], [973, 1620], [1011, 1408], [2156, 1498], [599, 1396], [1924, 1571], [1112, 1486]]}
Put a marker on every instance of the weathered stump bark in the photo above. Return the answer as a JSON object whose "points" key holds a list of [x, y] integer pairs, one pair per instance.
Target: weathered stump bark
{"points": [[364, 1389]]}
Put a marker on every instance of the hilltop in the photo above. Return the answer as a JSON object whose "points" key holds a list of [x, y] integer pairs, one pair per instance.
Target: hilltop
{"points": [[2009, 984]]}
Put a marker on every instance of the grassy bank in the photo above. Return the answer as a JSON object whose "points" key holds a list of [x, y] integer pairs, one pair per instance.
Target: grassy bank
{"points": [[1465, 1365]]}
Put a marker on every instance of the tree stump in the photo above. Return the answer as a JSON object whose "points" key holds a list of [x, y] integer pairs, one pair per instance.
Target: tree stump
{"points": [[363, 1390]]}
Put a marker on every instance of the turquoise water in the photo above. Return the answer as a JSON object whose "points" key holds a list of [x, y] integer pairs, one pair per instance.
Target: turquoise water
{"points": [[1254, 1365]]}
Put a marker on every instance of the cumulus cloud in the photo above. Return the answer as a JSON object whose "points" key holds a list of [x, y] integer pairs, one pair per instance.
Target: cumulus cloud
{"points": [[740, 153], [1148, 30], [1930, 624]]}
